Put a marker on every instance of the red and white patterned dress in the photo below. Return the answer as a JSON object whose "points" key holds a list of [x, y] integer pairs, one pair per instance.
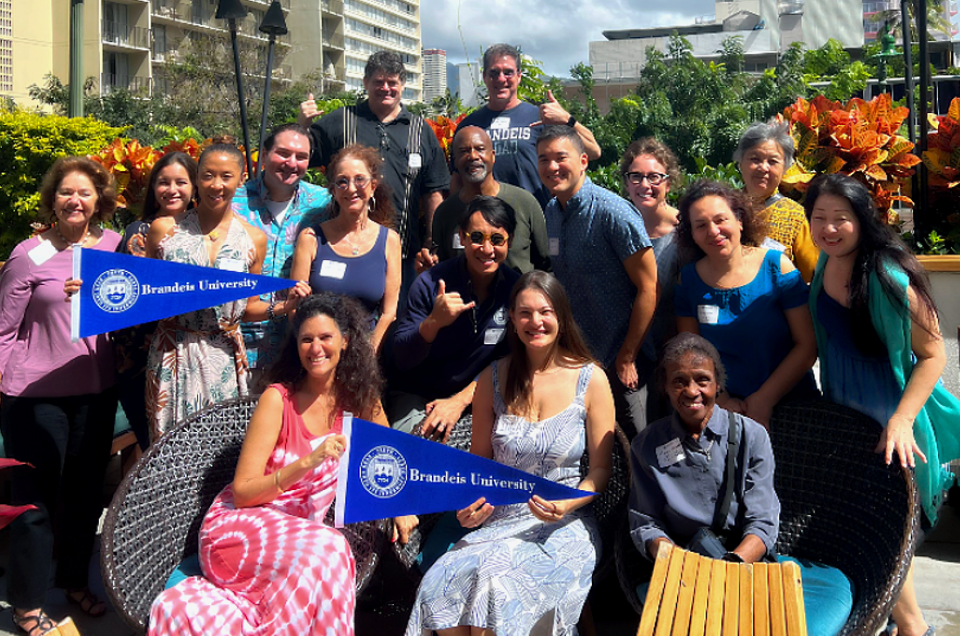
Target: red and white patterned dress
{"points": [[269, 569]]}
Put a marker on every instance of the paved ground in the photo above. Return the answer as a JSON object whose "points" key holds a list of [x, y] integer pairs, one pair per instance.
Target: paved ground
{"points": [[937, 574]]}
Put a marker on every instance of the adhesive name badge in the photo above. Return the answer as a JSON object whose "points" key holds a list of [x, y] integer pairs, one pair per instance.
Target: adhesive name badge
{"points": [[670, 453], [554, 247], [500, 123], [333, 269], [708, 314], [457, 244], [415, 161], [42, 253], [493, 336], [231, 265]]}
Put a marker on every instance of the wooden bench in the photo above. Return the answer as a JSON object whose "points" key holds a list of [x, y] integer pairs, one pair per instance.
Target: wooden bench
{"points": [[693, 595]]}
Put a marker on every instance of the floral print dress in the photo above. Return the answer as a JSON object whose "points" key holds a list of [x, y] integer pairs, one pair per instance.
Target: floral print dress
{"points": [[198, 358]]}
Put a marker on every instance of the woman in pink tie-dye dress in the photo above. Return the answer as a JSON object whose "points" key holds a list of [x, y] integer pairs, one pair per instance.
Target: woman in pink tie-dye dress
{"points": [[270, 564]]}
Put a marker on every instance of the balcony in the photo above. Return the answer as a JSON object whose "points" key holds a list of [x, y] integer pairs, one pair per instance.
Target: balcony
{"points": [[132, 83], [332, 7], [332, 40], [130, 37], [164, 9], [283, 3]]}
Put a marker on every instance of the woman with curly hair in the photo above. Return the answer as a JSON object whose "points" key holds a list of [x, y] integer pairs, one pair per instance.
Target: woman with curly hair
{"points": [[356, 252], [270, 565], [750, 302], [57, 397]]}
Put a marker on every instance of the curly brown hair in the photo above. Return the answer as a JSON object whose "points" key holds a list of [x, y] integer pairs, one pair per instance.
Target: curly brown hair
{"points": [[382, 211], [357, 382], [102, 180], [754, 226], [659, 151]]}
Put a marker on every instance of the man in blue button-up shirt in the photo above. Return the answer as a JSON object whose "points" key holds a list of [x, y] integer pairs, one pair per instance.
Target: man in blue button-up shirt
{"points": [[602, 255], [279, 203]]}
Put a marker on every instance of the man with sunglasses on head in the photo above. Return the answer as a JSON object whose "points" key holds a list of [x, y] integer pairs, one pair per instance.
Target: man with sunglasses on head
{"points": [[603, 257], [474, 158], [515, 125], [455, 324], [414, 165]]}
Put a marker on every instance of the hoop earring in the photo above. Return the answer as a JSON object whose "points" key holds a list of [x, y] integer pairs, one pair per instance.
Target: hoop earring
{"points": [[372, 204]]}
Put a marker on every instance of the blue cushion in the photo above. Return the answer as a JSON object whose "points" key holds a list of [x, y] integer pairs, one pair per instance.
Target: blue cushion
{"points": [[444, 535], [827, 596], [187, 568]]}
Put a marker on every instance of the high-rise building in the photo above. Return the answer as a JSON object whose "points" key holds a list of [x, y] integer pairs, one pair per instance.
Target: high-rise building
{"points": [[126, 43], [434, 74]]}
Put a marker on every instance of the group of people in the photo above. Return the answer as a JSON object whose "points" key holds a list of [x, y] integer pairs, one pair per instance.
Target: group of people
{"points": [[685, 326]]}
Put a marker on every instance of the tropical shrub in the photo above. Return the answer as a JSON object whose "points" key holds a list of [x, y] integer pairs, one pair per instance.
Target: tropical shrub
{"points": [[444, 127], [29, 144], [942, 159]]}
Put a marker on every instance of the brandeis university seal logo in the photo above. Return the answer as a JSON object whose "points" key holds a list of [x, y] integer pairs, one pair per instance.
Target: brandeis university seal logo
{"points": [[383, 472], [116, 290]]}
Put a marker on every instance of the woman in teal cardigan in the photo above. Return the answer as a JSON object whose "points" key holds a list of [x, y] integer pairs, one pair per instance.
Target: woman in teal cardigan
{"points": [[881, 351]]}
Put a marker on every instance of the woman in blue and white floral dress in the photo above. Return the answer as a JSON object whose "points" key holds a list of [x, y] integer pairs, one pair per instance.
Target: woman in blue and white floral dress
{"points": [[529, 566]]}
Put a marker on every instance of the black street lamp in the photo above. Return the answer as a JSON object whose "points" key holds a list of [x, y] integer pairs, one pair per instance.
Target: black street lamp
{"points": [[231, 11], [273, 25]]}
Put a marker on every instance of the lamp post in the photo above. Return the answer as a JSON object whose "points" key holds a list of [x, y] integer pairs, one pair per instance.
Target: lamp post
{"points": [[273, 25], [231, 11], [920, 226], [76, 58]]}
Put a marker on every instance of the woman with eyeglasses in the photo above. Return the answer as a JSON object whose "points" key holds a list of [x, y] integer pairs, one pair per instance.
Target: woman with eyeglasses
{"points": [[764, 154], [650, 169], [355, 252]]}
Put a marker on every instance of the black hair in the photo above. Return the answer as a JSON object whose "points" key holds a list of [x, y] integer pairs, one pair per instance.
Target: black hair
{"points": [[552, 133], [225, 149], [676, 348], [386, 62], [189, 164], [879, 248], [494, 210], [293, 127], [754, 228]]}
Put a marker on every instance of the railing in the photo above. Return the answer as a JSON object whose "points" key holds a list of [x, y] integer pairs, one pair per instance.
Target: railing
{"points": [[881, 5], [136, 37], [132, 83], [163, 7]]}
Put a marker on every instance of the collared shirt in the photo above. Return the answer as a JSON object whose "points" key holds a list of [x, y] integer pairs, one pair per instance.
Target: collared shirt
{"points": [[515, 143], [677, 481], [390, 138], [589, 241], [307, 209], [528, 244], [462, 349]]}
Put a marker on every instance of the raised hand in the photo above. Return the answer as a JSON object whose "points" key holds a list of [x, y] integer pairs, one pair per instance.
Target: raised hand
{"points": [[552, 113], [308, 111], [448, 307]]}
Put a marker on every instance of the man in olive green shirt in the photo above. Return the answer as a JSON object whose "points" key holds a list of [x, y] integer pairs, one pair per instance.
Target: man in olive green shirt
{"points": [[474, 158]]}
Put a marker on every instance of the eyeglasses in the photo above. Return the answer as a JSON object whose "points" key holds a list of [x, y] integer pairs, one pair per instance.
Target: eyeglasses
{"points": [[360, 181], [496, 72], [384, 138], [496, 238], [653, 178]]}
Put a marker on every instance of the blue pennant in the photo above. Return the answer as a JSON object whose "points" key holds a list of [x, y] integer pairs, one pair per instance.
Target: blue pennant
{"points": [[120, 290], [386, 473]]}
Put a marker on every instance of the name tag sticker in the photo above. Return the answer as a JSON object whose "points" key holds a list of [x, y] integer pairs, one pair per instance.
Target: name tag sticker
{"points": [[415, 161], [670, 453], [493, 336], [457, 245], [500, 123], [708, 314], [42, 253], [333, 269], [554, 247], [231, 265]]}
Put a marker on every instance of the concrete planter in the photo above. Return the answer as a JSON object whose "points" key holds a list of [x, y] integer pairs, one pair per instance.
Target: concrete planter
{"points": [[944, 272]]}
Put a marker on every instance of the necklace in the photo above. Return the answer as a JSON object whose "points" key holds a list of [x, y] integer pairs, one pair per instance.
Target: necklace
{"points": [[354, 248], [82, 240]]}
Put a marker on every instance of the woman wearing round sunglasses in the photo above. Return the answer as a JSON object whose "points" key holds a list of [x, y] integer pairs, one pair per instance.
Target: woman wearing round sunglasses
{"points": [[355, 253]]}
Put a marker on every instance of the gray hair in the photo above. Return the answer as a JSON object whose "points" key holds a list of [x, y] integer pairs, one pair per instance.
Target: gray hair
{"points": [[495, 52], [686, 343], [759, 132]]}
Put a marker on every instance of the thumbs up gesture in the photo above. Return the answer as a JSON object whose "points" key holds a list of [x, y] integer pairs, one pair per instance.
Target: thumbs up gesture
{"points": [[552, 113], [308, 111]]}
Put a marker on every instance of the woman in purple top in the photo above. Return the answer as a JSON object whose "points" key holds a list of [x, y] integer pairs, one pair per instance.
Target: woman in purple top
{"points": [[355, 253], [57, 397]]}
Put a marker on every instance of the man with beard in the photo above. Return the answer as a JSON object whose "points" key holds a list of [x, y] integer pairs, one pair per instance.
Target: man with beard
{"points": [[474, 159]]}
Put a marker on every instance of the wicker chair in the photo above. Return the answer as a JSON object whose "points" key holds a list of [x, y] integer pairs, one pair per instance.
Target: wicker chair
{"points": [[154, 519], [840, 505]]}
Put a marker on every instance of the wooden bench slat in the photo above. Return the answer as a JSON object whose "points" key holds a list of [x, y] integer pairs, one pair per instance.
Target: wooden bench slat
{"points": [[651, 606], [698, 615], [718, 584], [778, 624], [671, 591], [688, 579], [731, 604], [746, 600], [793, 600], [761, 600]]}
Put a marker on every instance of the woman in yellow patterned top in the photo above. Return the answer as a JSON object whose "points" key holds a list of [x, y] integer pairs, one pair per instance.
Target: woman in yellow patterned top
{"points": [[764, 153]]}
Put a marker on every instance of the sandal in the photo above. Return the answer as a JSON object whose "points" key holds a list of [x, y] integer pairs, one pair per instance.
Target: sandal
{"points": [[35, 624], [88, 602]]}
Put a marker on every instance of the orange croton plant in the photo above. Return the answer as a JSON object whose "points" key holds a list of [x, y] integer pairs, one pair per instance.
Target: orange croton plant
{"points": [[443, 128], [860, 139], [130, 163], [942, 156]]}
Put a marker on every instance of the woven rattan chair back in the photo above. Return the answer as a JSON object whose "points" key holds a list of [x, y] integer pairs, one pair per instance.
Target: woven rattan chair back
{"points": [[156, 513]]}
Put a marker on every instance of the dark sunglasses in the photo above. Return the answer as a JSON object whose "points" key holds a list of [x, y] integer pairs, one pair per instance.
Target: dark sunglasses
{"points": [[496, 238]]}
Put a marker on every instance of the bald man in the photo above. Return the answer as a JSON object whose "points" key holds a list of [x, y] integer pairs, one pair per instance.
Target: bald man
{"points": [[474, 158]]}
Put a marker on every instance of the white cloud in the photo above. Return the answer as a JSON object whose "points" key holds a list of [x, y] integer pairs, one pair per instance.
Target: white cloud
{"points": [[557, 33]]}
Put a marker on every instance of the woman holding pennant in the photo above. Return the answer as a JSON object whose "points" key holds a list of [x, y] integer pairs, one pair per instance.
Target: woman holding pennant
{"points": [[198, 358], [539, 409], [270, 565]]}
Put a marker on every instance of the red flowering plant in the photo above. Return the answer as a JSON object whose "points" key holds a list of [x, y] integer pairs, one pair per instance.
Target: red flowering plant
{"points": [[444, 127]]}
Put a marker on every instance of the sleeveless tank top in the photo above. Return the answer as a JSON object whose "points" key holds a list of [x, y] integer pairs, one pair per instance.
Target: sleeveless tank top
{"points": [[363, 277]]}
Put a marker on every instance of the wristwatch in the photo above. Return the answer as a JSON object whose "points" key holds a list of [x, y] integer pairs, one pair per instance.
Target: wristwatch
{"points": [[572, 121]]}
